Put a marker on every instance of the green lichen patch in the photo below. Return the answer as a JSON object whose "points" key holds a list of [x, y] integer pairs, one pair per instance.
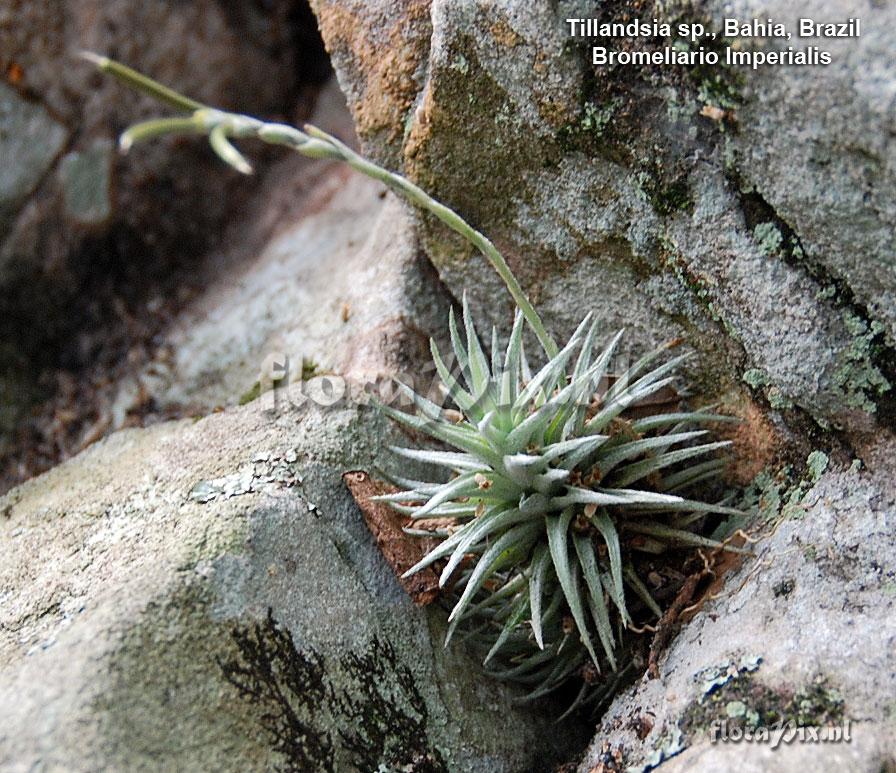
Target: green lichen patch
{"points": [[857, 377], [588, 133], [769, 238], [782, 493], [745, 702]]}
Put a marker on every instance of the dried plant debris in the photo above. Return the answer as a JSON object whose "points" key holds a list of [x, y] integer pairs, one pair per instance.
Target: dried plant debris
{"points": [[387, 526]]}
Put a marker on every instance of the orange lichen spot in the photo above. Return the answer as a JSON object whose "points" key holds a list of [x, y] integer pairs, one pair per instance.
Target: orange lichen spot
{"points": [[15, 73]]}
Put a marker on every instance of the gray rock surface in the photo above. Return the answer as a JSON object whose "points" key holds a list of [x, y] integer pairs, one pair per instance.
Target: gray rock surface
{"points": [[816, 604], [323, 274], [750, 211], [342, 290], [765, 236], [83, 232], [30, 139], [205, 595], [231, 54]]}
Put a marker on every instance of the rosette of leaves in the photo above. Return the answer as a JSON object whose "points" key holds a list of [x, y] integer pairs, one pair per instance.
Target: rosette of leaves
{"points": [[551, 489], [557, 479]]}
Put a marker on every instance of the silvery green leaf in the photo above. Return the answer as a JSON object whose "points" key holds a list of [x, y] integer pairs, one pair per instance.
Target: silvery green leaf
{"points": [[517, 615], [661, 420], [549, 481], [588, 443], [463, 485], [599, 611], [494, 601], [688, 506], [598, 371], [457, 393], [225, 150], [558, 675], [464, 438], [522, 468], [611, 538], [628, 449], [157, 127], [479, 373], [549, 376], [512, 373], [459, 510], [631, 577], [535, 504], [580, 455], [531, 428], [465, 401], [496, 354], [694, 474], [528, 664], [460, 351], [478, 530], [632, 472], [514, 542], [557, 528], [425, 406], [580, 496], [621, 387], [678, 535], [450, 459], [618, 404], [639, 366], [540, 564]]}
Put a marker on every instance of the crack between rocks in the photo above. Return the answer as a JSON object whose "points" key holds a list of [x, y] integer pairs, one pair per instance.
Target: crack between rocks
{"points": [[756, 209]]}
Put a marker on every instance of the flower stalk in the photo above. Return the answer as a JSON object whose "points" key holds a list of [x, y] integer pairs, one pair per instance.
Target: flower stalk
{"points": [[221, 126]]}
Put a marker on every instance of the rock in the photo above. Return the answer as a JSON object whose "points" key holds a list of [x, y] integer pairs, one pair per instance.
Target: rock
{"points": [[86, 184], [747, 210], [805, 628], [332, 282], [253, 625], [342, 290], [232, 54], [29, 141], [87, 239]]}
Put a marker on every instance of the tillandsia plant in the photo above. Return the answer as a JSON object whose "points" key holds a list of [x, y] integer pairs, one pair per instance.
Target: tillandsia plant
{"points": [[558, 482]]}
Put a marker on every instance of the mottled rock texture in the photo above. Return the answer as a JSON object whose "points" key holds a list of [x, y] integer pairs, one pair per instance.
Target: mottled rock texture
{"points": [[816, 605], [205, 595], [765, 237]]}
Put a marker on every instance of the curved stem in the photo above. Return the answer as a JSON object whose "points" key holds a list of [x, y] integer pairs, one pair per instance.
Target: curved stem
{"points": [[313, 142]]}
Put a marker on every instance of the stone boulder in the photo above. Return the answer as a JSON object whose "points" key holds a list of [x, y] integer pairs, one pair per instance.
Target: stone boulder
{"points": [[803, 632], [749, 211], [206, 595], [86, 237]]}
